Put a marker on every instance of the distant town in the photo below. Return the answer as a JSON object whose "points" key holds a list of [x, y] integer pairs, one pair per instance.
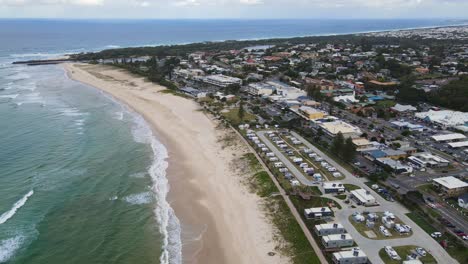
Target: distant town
{"points": [[374, 124]]}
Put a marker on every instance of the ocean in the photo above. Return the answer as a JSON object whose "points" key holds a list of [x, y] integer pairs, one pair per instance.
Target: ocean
{"points": [[82, 178]]}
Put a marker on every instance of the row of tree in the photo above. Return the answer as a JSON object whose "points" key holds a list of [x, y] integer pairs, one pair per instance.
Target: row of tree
{"points": [[343, 148]]}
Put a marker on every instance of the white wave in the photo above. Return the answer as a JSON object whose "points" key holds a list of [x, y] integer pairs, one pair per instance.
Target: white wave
{"points": [[119, 115], [9, 96], [112, 46], [31, 98], [113, 198], [29, 86], [72, 112], [9, 214], [139, 198], [169, 225], [138, 175], [18, 76], [36, 54], [8, 247]]}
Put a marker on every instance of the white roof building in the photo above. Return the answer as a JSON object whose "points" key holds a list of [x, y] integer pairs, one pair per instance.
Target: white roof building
{"points": [[451, 182], [337, 241], [355, 256], [329, 229], [363, 197], [335, 127], [222, 80], [448, 137], [403, 108], [445, 118], [458, 144]]}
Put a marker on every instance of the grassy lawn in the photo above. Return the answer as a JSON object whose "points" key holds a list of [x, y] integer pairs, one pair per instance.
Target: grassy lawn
{"points": [[292, 240], [427, 188], [298, 247], [233, 117], [362, 228], [455, 248], [341, 196], [404, 251], [351, 187], [422, 222]]}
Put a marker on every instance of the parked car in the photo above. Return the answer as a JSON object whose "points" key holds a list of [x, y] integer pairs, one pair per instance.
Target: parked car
{"points": [[436, 234], [421, 251]]}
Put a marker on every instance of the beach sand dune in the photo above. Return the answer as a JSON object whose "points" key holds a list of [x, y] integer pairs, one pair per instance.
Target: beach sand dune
{"points": [[222, 221]]}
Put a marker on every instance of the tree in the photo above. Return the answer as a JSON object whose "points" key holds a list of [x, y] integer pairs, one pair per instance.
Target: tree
{"points": [[241, 111], [337, 144], [406, 133], [349, 150]]}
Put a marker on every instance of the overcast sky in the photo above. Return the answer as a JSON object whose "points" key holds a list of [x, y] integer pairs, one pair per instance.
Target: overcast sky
{"points": [[234, 8]]}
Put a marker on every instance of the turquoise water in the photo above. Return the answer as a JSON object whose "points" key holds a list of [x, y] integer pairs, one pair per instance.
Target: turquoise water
{"points": [[82, 179]]}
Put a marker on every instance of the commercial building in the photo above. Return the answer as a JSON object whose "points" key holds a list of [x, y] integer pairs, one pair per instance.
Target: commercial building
{"points": [[354, 256], [317, 212], [425, 159], [362, 144], [221, 81], [461, 144], [333, 187], [338, 126], [311, 113], [395, 165], [260, 89], [444, 118], [450, 186], [337, 241], [402, 125], [363, 197], [448, 137], [399, 108], [329, 229]]}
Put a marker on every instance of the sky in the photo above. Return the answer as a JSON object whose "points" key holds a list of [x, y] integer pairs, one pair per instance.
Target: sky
{"points": [[248, 9]]}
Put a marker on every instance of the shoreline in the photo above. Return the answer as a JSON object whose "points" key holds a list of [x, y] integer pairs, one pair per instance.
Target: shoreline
{"points": [[221, 221], [357, 33]]}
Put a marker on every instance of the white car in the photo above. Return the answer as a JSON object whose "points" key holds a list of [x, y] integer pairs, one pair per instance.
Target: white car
{"points": [[436, 234], [421, 251], [304, 165]]}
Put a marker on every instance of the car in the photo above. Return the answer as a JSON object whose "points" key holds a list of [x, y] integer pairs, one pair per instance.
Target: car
{"points": [[465, 238], [421, 251], [461, 234], [436, 234], [450, 225]]}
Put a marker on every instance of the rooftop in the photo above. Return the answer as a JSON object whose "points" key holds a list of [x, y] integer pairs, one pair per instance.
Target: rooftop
{"points": [[349, 254], [447, 137], [451, 182]]}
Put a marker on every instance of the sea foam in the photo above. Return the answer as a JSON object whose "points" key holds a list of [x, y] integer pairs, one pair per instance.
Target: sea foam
{"points": [[8, 247], [169, 225], [139, 198], [9, 214]]}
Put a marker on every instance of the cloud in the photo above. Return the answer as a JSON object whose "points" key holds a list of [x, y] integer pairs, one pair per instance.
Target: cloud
{"points": [[52, 2]]}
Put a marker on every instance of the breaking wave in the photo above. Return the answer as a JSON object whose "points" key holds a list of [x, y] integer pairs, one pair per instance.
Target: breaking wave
{"points": [[8, 247], [169, 225], [9, 214]]}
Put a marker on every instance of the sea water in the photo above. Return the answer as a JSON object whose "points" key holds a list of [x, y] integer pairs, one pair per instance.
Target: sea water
{"points": [[82, 178]]}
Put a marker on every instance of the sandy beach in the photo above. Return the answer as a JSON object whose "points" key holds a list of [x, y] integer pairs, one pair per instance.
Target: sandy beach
{"points": [[225, 221]]}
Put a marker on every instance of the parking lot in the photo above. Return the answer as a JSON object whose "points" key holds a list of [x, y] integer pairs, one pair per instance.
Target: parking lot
{"points": [[370, 246]]}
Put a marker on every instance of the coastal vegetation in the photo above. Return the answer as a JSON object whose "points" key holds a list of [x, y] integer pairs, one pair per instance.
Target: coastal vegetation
{"points": [[292, 241]]}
